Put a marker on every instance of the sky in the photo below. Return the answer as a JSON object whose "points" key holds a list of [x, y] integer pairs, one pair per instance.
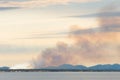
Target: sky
{"points": [[32, 30]]}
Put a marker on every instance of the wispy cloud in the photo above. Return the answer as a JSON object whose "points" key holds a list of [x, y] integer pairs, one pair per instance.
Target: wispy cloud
{"points": [[105, 14], [8, 8], [45, 37], [39, 3], [103, 29], [5, 48]]}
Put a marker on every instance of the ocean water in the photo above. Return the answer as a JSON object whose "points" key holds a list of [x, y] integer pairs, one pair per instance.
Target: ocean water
{"points": [[59, 75]]}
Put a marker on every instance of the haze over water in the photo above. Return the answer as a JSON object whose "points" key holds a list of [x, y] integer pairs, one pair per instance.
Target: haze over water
{"points": [[60, 76]]}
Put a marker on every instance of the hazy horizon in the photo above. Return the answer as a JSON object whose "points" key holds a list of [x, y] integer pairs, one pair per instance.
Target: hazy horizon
{"points": [[41, 33]]}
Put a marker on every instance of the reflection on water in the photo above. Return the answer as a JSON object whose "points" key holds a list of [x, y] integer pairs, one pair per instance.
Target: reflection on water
{"points": [[60, 76]]}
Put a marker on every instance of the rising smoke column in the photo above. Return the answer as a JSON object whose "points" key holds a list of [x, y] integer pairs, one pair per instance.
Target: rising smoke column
{"points": [[91, 46]]}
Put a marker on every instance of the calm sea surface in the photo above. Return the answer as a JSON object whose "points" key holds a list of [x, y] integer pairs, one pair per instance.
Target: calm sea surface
{"points": [[60, 76]]}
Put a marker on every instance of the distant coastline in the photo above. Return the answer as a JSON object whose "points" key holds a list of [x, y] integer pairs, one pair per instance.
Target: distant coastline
{"points": [[53, 70], [56, 70], [69, 68]]}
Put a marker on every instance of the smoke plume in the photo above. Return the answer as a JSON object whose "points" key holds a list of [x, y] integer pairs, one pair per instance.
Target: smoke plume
{"points": [[91, 46]]}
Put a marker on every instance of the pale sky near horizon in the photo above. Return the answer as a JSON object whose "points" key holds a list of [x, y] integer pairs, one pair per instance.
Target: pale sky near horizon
{"points": [[23, 21]]}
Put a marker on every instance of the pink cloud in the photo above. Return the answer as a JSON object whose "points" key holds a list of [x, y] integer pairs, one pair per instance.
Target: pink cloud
{"points": [[39, 3]]}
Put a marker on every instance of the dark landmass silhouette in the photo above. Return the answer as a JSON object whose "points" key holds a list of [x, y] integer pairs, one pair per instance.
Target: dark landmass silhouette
{"points": [[4, 68], [82, 67], [68, 68]]}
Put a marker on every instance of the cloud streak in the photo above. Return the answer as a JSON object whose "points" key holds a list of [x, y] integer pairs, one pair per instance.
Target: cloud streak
{"points": [[7, 8], [104, 14], [17, 49], [108, 19], [39, 3]]}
